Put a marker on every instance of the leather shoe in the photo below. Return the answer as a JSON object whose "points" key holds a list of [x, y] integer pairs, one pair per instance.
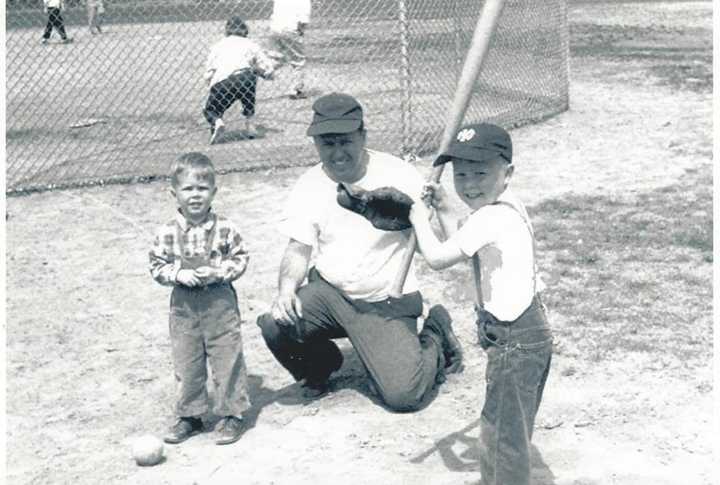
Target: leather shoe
{"points": [[183, 429], [230, 430], [440, 322]]}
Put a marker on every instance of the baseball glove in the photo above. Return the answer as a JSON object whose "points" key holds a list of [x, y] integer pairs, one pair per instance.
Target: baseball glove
{"points": [[387, 208]]}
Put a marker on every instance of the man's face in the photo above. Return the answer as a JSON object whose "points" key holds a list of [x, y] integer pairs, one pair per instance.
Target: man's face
{"points": [[480, 183], [194, 193], [342, 155]]}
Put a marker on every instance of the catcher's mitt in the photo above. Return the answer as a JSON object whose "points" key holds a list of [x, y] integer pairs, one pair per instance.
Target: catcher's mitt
{"points": [[387, 208]]}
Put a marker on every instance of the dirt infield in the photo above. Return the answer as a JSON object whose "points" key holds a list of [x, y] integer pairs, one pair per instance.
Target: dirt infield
{"points": [[629, 398]]}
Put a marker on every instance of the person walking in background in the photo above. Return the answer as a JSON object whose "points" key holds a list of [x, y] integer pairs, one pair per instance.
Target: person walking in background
{"points": [[95, 10], [54, 8], [288, 23]]}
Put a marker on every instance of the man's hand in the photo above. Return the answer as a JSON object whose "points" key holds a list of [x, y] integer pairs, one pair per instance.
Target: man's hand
{"points": [[187, 277], [287, 308]]}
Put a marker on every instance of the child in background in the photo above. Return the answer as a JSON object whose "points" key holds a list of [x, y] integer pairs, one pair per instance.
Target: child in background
{"points": [[54, 10], [288, 23], [95, 10], [200, 254], [511, 322], [233, 65]]}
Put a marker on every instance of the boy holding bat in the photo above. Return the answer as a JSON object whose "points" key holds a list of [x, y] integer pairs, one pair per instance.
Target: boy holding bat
{"points": [[511, 323]]}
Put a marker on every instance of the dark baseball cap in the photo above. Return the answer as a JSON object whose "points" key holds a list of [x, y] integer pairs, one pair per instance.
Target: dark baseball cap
{"points": [[335, 113], [478, 142]]}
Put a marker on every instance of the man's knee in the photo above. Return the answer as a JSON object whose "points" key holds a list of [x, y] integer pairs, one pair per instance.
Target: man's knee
{"points": [[401, 399], [271, 331]]}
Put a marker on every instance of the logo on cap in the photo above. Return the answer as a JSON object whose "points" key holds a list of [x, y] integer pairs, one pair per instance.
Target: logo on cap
{"points": [[466, 135]]}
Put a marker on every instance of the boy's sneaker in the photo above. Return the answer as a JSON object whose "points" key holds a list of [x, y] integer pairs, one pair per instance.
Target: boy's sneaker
{"points": [[217, 132], [44, 41], [67, 40], [229, 430], [440, 322], [183, 429]]}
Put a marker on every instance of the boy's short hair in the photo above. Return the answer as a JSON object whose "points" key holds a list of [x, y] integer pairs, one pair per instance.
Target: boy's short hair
{"points": [[195, 161], [478, 142], [236, 26]]}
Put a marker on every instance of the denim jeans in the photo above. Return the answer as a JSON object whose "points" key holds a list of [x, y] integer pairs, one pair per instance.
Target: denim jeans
{"points": [[205, 328], [519, 355]]}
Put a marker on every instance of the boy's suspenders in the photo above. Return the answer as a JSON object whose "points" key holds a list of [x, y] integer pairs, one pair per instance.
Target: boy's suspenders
{"points": [[208, 243], [476, 259]]}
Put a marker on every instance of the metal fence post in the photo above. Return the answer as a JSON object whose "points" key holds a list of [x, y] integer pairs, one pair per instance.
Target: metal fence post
{"points": [[405, 80]]}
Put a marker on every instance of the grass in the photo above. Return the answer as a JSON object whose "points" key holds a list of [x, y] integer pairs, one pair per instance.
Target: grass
{"points": [[631, 273]]}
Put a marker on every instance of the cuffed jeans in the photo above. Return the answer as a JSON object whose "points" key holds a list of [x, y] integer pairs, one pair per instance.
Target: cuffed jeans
{"points": [[205, 327], [519, 355], [402, 364]]}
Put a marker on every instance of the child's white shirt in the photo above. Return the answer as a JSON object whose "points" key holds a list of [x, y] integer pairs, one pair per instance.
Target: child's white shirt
{"points": [[502, 237], [233, 53], [287, 13], [54, 4], [350, 253]]}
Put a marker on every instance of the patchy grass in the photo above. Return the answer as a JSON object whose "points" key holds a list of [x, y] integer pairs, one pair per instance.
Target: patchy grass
{"points": [[630, 273]]}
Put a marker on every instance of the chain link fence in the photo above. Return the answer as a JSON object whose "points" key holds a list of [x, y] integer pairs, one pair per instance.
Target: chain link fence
{"points": [[121, 104]]}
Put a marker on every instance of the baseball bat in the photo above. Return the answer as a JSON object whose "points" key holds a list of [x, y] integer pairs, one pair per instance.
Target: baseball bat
{"points": [[484, 30]]}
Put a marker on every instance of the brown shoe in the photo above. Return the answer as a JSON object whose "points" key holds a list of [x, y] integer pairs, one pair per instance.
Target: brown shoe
{"points": [[440, 322], [183, 429], [229, 430]]}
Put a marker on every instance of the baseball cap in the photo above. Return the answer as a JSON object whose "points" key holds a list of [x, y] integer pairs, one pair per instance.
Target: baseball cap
{"points": [[335, 113], [478, 142]]}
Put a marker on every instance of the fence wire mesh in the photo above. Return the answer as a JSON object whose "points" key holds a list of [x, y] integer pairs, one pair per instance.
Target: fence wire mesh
{"points": [[127, 94]]}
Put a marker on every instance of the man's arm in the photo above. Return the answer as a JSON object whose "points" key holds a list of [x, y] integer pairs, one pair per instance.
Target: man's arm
{"points": [[293, 268]]}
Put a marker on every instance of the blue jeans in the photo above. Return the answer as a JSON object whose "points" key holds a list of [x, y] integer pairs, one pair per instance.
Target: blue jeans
{"points": [[519, 355], [205, 328]]}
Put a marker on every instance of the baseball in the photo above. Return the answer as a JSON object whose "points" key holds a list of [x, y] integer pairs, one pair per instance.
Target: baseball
{"points": [[147, 450]]}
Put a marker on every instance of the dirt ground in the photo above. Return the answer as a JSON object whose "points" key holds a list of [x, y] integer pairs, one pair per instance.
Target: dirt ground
{"points": [[88, 356]]}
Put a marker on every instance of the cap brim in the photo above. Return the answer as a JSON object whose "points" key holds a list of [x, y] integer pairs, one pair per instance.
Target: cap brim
{"points": [[333, 126], [466, 152]]}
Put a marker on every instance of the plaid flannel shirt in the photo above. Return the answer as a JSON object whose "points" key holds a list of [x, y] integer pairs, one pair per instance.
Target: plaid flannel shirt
{"points": [[228, 251]]}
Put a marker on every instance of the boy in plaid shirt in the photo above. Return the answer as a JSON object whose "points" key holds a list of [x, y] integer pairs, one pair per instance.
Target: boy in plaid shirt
{"points": [[200, 254]]}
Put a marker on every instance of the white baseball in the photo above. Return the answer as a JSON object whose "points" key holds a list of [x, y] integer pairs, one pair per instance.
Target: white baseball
{"points": [[147, 450]]}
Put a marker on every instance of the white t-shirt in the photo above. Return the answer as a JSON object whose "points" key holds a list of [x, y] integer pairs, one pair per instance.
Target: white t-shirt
{"points": [[287, 13], [350, 253], [503, 239], [233, 53]]}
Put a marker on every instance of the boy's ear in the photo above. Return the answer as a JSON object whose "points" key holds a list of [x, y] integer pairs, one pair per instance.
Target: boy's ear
{"points": [[171, 189]]}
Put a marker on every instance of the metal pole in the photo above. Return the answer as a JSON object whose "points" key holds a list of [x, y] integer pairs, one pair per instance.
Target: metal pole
{"points": [[405, 80]]}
